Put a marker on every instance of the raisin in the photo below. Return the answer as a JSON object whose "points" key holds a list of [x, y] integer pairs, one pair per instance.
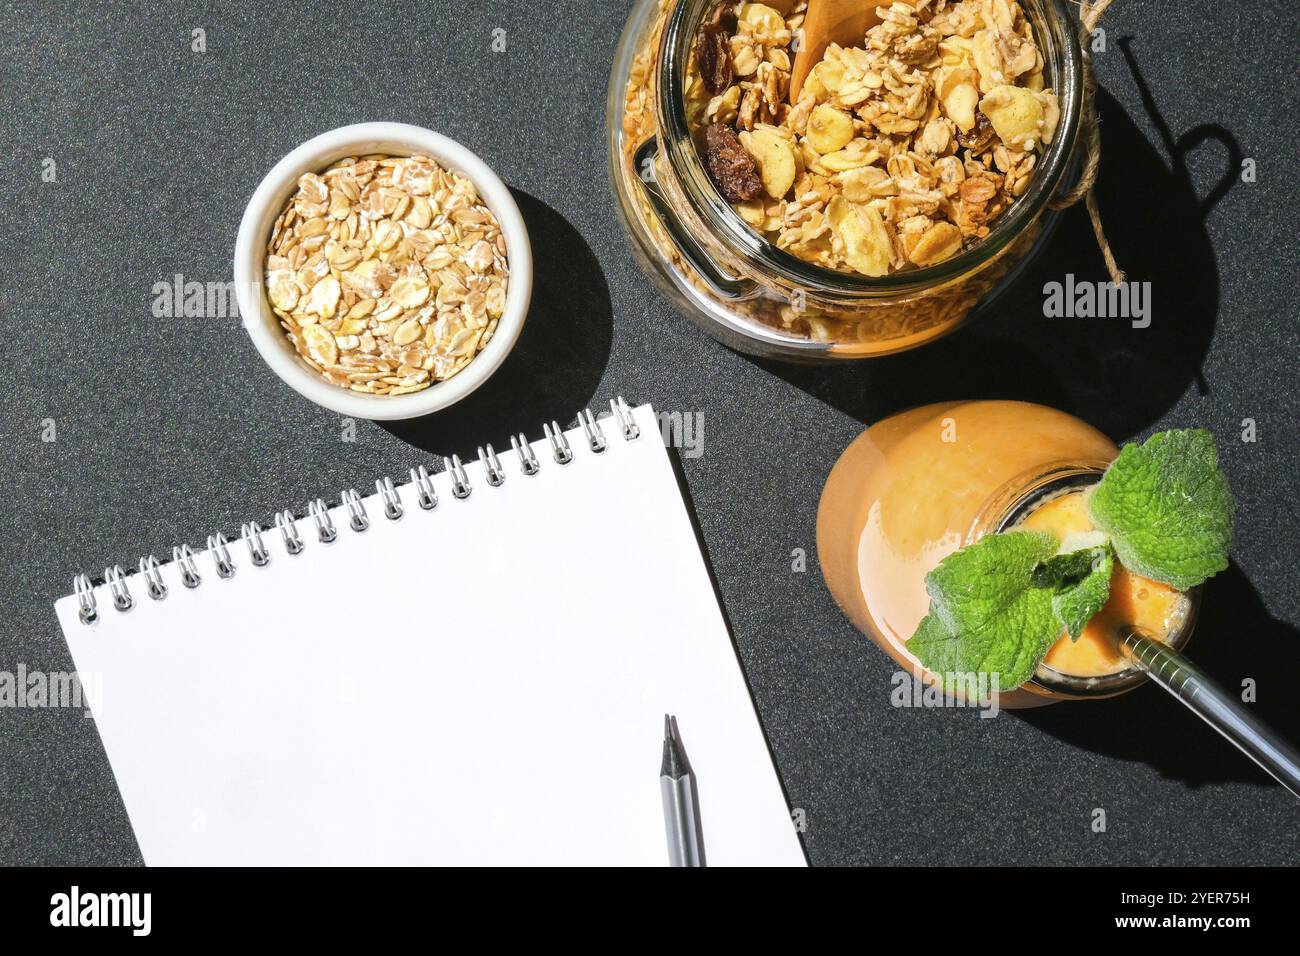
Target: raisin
{"points": [[725, 18], [732, 169], [714, 58], [979, 138]]}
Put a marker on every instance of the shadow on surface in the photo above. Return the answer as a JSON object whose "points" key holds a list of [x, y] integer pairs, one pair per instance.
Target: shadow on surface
{"points": [[679, 472], [1119, 378], [557, 364], [1235, 639]]}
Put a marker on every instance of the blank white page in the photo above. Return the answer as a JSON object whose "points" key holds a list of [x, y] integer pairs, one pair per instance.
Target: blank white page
{"points": [[482, 683]]}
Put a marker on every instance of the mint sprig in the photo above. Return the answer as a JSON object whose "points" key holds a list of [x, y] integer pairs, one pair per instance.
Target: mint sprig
{"points": [[998, 606], [1167, 508], [1080, 585], [986, 614]]}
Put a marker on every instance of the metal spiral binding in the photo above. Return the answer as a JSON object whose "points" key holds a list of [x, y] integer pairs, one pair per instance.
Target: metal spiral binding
{"points": [[528, 463], [392, 503], [357, 516], [183, 558], [631, 430], [221, 555], [425, 494], [595, 437], [152, 575], [113, 577], [559, 444], [460, 486], [324, 524], [495, 473], [496, 476], [257, 553], [86, 599], [288, 526]]}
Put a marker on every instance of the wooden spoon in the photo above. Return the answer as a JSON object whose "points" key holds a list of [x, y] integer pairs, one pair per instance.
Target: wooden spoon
{"points": [[844, 22]]}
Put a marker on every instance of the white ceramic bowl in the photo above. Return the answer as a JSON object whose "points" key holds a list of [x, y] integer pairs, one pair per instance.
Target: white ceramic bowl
{"points": [[313, 156]]}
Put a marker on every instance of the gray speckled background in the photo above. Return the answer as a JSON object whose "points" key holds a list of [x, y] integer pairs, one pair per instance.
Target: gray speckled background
{"points": [[170, 429]]}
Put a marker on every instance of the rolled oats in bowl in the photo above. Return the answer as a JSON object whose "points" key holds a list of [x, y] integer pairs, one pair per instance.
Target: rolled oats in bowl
{"points": [[387, 273]]}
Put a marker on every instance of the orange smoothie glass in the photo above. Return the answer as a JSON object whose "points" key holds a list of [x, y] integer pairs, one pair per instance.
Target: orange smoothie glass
{"points": [[916, 487]]}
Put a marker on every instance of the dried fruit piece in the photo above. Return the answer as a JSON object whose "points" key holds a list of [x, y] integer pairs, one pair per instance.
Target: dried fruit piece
{"points": [[959, 95], [732, 169], [864, 237], [860, 184], [714, 58], [1016, 115], [857, 154], [979, 137], [825, 79], [986, 54], [940, 241], [829, 129], [775, 155]]}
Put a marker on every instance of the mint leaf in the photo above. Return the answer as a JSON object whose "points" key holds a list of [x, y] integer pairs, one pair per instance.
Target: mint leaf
{"points": [[1065, 570], [938, 648], [1080, 585], [985, 613], [1167, 508]]}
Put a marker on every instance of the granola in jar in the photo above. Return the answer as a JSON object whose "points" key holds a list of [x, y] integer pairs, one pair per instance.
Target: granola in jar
{"points": [[787, 306], [899, 151]]}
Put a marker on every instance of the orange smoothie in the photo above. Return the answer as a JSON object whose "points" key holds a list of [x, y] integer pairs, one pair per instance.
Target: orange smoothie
{"points": [[916, 487], [1150, 605]]}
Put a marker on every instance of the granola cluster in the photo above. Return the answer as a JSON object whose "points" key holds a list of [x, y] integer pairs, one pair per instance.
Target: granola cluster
{"points": [[898, 153], [388, 273]]}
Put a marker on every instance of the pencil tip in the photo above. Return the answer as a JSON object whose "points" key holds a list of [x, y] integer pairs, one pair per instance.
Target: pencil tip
{"points": [[675, 764]]}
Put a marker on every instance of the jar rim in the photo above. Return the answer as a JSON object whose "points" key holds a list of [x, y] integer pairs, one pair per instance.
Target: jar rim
{"points": [[678, 147]]}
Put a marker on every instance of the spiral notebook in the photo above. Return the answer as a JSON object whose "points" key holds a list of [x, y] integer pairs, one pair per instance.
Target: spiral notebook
{"points": [[471, 667]]}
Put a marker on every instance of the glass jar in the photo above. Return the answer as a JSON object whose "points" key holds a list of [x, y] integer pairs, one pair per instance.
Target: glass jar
{"points": [[757, 298], [914, 488]]}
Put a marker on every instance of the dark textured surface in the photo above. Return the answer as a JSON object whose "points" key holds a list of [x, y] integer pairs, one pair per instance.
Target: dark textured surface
{"points": [[170, 429]]}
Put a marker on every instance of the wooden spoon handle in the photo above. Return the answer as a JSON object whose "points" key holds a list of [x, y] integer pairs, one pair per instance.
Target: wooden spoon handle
{"points": [[845, 22]]}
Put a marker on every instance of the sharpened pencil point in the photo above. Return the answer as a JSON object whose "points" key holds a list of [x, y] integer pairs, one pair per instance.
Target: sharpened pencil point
{"points": [[675, 765]]}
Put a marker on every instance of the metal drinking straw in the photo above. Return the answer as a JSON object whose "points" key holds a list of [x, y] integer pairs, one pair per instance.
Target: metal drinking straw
{"points": [[1190, 685]]}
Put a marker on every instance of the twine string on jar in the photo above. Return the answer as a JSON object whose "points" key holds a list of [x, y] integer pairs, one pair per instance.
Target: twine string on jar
{"points": [[1090, 11]]}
